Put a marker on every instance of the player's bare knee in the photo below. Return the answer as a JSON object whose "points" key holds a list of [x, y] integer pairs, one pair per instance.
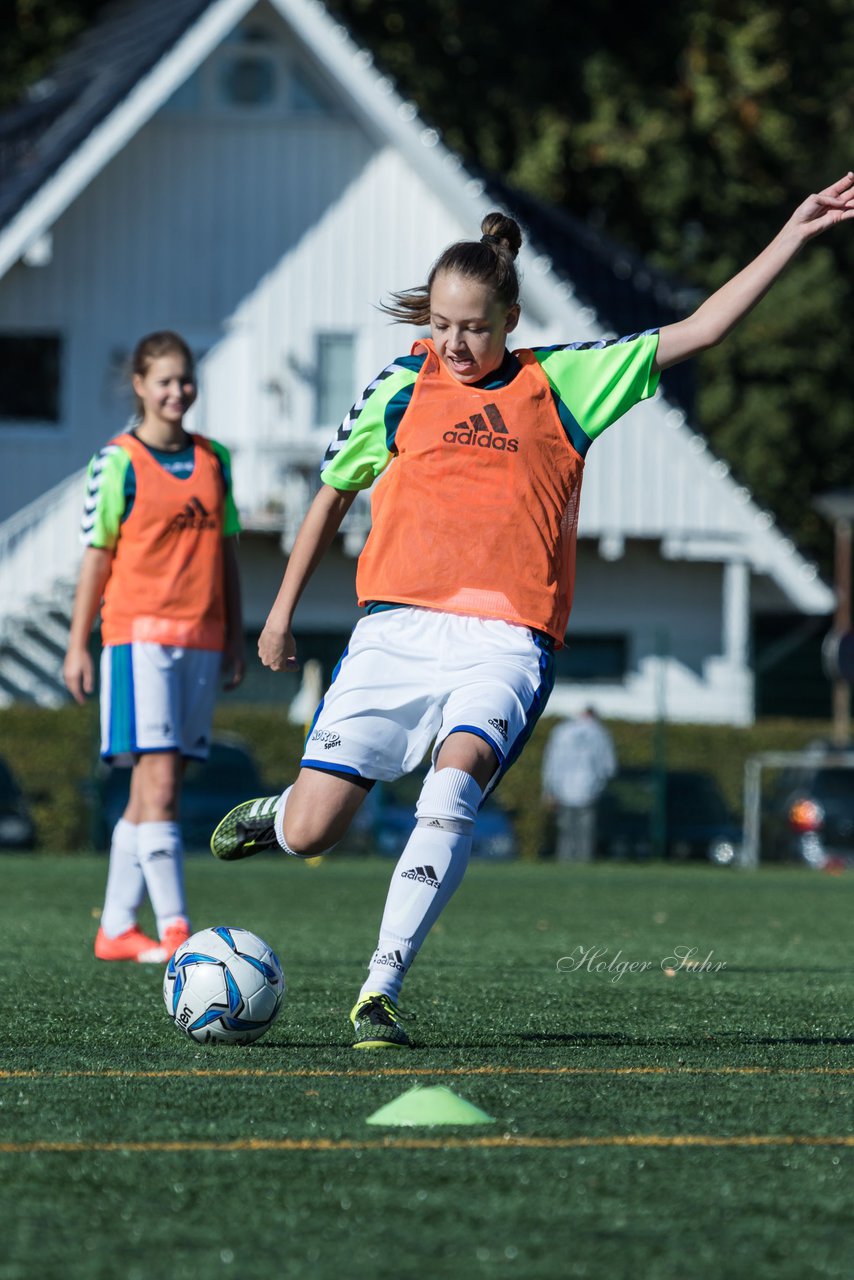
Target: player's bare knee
{"points": [[305, 837]]}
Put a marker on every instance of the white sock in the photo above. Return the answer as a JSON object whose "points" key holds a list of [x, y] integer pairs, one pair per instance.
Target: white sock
{"points": [[427, 875], [161, 854], [125, 881], [280, 818]]}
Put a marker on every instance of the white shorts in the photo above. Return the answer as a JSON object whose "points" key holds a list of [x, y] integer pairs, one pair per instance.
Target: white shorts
{"points": [[157, 698], [411, 676]]}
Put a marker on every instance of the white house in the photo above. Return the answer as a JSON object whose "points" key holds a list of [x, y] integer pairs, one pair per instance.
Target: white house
{"points": [[239, 171]]}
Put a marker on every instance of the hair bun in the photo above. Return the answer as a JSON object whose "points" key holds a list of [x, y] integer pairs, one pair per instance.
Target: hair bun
{"points": [[501, 231]]}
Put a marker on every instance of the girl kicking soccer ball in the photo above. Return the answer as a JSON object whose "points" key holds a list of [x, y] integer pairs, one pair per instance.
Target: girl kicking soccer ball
{"points": [[158, 526], [467, 574]]}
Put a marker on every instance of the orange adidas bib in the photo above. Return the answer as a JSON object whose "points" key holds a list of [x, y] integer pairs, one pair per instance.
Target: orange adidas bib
{"points": [[167, 580], [477, 513]]}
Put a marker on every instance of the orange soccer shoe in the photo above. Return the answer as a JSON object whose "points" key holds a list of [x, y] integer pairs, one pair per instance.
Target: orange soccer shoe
{"points": [[133, 944], [172, 938]]}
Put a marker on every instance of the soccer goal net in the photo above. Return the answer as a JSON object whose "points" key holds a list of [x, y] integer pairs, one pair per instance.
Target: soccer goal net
{"points": [[798, 805]]}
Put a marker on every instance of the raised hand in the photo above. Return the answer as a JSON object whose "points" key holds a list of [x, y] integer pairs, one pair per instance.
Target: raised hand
{"points": [[826, 208]]}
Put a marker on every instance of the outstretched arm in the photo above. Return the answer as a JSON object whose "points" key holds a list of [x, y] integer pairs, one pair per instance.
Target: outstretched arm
{"points": [[720, 313], [276, 644]]}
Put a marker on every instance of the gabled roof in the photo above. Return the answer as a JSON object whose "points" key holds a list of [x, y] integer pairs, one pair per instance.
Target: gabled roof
{"points": [[141, 51], [100, 93], [86, 84]]}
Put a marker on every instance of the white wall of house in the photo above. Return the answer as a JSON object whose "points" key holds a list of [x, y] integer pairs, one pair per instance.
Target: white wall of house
{"points": [[687, 637], [178, 231]]}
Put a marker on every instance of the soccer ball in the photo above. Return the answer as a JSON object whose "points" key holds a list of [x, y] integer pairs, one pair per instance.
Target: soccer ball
{"points": [[224, 986]]}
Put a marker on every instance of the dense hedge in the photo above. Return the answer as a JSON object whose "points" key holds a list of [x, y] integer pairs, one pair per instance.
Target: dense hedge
{"points": [[55, 754]]}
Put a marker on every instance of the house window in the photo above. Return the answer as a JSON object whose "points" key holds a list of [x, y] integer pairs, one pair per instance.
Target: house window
{"points": [[257, 76], [30, 377], [335, 375], [249, 81], [592, 658]]}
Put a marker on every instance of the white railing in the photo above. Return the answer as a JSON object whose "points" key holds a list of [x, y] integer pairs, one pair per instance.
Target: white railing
{"points": [[275, 485], [39, 545]]}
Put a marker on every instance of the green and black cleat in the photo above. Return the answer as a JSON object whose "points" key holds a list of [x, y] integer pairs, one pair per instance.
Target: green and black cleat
{"points": [[249, 828], [376, 1022]]}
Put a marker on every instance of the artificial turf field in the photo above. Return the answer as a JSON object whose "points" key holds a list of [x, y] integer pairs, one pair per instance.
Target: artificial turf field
{"points": [[647, 1124]]}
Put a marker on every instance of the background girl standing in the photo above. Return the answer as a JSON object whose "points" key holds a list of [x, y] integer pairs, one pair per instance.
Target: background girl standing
{"points": [[159, 528]]}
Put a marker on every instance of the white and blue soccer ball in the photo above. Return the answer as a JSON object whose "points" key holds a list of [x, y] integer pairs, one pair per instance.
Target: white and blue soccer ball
{"points": [[224, 986]]}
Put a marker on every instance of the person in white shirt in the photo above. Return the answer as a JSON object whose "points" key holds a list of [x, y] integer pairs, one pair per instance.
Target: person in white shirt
{"points": [[578, 762]]}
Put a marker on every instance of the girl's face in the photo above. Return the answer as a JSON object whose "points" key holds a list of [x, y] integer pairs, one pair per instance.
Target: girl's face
{"points": [[468, 325], [166, 389]]}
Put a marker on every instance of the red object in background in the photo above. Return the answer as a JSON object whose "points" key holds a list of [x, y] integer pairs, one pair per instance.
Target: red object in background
{"points": [[806, 815]]}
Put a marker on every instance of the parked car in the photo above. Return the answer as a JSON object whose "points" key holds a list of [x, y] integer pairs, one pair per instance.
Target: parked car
{"points": [[387, 817], [17, 828], [211, 788], [698, 824], [808, 815]]}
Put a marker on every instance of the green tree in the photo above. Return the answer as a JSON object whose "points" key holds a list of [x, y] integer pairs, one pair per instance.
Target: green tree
{"points": [[32, 35]]}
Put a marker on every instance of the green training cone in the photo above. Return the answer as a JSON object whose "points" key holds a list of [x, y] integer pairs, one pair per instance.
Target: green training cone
{"points": [[429, 1105]]}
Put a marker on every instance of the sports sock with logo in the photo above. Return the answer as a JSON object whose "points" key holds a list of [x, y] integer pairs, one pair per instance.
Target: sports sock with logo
{"points": [[125, 881], [161, 852], [427, 875]]}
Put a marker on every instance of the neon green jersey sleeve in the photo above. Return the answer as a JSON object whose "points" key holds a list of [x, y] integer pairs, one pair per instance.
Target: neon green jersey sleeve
{"points": [[362, 448], [104, 504], [231, 520], [600, 381]]}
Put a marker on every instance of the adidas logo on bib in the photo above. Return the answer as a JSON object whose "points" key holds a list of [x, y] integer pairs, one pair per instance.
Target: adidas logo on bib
{"points": [[486, 430], [194, 516]]}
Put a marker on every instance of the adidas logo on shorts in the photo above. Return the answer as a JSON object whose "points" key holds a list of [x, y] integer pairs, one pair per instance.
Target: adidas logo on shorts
{"points": [[421, 875], [501, 726]]}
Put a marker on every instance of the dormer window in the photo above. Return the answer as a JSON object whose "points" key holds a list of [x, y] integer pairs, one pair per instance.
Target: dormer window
{"points": [[249, 82], [256, 74], [250, 69]]}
